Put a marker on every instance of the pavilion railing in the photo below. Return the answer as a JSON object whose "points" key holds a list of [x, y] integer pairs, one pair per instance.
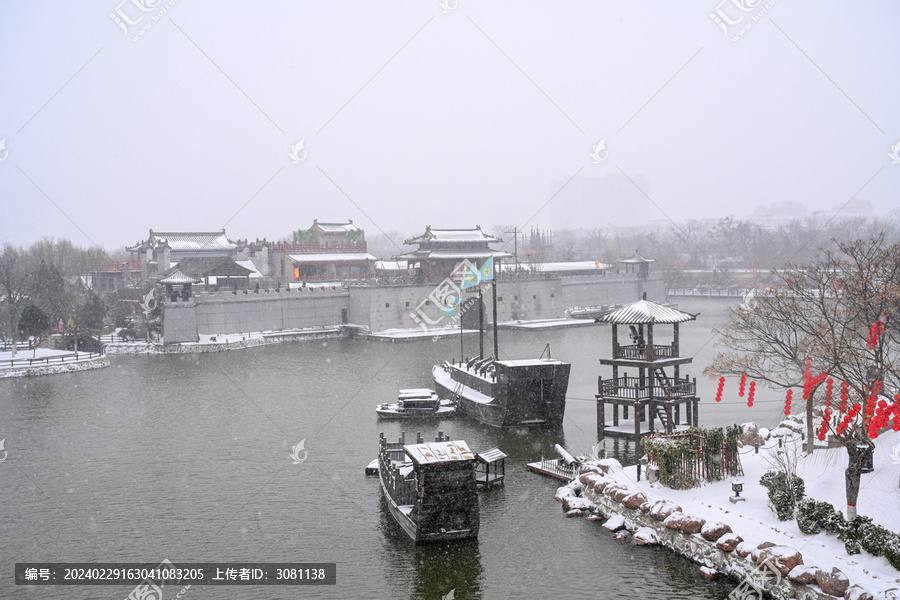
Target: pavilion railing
{"points": [[643, 352], [630, 387]]}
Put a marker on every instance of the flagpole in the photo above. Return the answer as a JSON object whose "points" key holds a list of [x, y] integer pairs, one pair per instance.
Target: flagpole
{"points": [[494, 287], [480, 325]]}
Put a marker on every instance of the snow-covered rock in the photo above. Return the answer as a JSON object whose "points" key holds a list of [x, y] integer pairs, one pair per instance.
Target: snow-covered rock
{"points": [[709, 573], [834, 583], [783, 558], [692, 524], [728, 542], [674, 521], [615, 523], [574, 513], [663, 508], [645, 536], [634, 501], [713, 530], [803, 574], [855, 592]]}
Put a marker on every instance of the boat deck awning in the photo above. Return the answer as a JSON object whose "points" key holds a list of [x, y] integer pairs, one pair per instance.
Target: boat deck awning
{"points": [[438, 452], [490, 456]]}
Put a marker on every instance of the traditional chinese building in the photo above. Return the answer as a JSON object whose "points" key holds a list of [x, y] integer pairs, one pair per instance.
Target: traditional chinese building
{"points": [[441, 251], [637, 264], [324, 252], [162, 249], [653, 396]]}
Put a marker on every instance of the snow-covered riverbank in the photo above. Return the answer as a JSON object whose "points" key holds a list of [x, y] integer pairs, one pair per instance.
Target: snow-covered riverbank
{"points": [[725, 537]]}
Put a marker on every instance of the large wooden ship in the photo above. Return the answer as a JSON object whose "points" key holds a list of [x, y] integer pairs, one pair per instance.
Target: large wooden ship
{"points": [[506, 392], [430, 488]]}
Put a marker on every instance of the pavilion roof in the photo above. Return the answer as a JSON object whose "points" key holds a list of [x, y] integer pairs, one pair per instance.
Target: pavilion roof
{"points": [[209, 266], [177, 277], [453, 236], [636, 259], [191, 241], [334, 227], [644, 311]]}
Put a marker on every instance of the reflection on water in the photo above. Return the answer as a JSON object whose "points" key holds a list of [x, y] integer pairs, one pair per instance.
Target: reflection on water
{"points": [[187, 457]]}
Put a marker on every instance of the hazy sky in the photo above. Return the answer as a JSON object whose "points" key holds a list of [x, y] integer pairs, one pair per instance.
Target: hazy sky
{"points": [[411, 115]]}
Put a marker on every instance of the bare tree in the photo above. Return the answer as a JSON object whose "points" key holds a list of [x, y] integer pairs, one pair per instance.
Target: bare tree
{"points": [[830, 317], [14, 281]]}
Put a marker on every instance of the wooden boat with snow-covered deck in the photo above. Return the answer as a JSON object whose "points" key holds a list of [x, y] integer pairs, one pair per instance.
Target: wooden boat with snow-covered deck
{"points": [[506, 392], [430, 488], [420, 402]]}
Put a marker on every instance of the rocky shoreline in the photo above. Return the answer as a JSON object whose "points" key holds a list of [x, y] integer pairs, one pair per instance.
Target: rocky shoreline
{"points": [[606, 492]]}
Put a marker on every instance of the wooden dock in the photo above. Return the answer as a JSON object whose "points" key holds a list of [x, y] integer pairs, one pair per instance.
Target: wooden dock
{"points": [[554, 468]]}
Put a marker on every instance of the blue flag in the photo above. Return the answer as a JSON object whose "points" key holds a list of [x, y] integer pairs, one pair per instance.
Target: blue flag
{"points": [[487, 269], [471, 278]]}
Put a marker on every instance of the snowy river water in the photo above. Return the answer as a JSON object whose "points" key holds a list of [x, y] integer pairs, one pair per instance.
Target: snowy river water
{"points": [[187, 457]]}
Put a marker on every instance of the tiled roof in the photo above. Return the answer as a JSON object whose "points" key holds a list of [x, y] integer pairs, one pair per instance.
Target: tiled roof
{"points": [[644, 311], [453, 235], [636, 259], [183, 241], [177, 277]]}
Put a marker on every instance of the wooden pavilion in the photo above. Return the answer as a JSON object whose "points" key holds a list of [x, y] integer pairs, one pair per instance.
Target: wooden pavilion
{"points": [[653, 393]]}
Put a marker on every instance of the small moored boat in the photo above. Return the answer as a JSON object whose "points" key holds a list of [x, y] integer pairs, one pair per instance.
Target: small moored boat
{"points": [[419, 402], [430, 488]]}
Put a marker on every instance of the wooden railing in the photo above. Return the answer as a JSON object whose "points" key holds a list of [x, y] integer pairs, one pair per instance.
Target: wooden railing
{"points": [[630, 387], [51, 360], [643, 352]]}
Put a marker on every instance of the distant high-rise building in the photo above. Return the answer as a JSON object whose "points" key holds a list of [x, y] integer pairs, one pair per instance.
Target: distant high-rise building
{"points": [[608, 201]]}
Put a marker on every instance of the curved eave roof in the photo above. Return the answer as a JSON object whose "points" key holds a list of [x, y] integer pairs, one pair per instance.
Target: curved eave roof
{"points": [[643, 311], [178, 277]]}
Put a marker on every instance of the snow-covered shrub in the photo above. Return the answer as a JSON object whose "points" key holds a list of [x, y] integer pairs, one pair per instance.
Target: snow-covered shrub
{"points": [[873, 538], [830, 519], [783, 497], [852, 533], [806, 517], [892, 550]]}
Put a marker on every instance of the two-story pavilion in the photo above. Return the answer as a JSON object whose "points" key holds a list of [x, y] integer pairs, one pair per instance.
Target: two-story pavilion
{"points": [[652, 393]]}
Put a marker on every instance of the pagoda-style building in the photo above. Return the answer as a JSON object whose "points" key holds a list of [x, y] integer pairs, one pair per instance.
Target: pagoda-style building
{"points": [[442, 250], [638, 264], [652, 397]]}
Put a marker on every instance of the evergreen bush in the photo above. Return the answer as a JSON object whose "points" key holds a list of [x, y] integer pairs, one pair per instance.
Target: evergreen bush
{"points": [[781, 498], [892, 550], [829, 519], [807, 519]]}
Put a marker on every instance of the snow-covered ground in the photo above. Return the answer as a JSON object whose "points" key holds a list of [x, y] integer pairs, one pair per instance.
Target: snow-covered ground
{"points": [[544, 323], [417, 334], [823, 475], [24, 354]]}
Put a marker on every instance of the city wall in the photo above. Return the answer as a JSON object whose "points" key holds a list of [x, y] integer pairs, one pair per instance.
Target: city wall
{"points": [[390, 306]]}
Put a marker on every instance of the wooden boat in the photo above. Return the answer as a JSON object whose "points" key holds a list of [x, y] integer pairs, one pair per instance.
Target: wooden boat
{"points": [[430, 488], [420, 402], [507, 392]]}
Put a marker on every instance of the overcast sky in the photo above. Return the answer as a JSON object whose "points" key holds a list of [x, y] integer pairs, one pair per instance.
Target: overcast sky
{"points": [[414, 114]]}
